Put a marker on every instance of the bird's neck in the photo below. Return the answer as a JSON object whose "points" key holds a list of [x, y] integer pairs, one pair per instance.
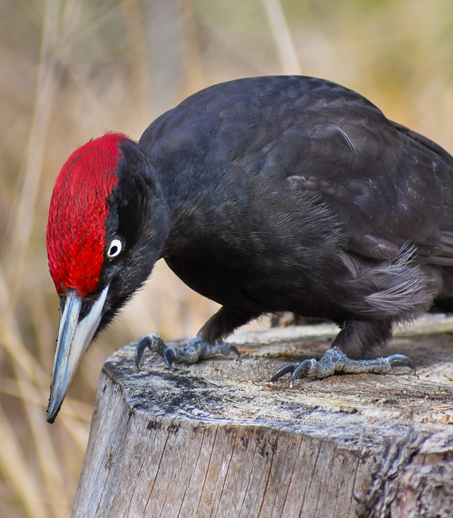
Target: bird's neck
{"points": [[193, 198]]}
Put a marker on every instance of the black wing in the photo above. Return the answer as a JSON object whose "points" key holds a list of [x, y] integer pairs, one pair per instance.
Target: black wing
{"points": [[387, 185]]}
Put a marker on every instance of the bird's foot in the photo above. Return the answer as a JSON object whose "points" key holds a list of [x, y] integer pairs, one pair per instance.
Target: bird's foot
{"points": [[194, 351], [335, 361]]}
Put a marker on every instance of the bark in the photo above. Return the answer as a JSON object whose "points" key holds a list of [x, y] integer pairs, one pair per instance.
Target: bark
{"points": [[216, 440]]}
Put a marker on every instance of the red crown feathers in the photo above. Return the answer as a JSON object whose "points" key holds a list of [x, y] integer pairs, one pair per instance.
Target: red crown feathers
{"points": [[78, 211]]}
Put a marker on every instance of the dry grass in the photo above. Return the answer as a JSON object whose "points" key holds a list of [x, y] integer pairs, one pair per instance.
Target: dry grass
{"points": [[71, 70]]}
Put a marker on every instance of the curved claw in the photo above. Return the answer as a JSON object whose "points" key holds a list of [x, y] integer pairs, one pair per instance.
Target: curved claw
{"points": [[140, 348], [302, 369], [289, 367], [231, 349], [169, 357], [401, 359]]}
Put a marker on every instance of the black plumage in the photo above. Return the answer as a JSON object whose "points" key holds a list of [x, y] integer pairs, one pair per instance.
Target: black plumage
{"points": [[266, 194], [294, 193]]}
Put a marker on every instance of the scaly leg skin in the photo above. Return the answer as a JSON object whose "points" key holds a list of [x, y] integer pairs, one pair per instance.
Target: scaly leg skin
{"points": [[334, 361], [355, 337], [219, 325], [194, 351]]}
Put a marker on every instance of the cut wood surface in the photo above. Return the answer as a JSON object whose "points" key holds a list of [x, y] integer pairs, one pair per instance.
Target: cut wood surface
{"points": [[217, 440]]}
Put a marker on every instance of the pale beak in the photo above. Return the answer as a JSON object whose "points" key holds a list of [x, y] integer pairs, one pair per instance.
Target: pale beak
{"points": [[74, 339]]}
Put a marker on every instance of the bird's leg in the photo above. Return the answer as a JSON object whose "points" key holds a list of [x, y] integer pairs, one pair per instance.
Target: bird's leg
{"points": [[195, 350], [355, 335], [204, 346], [335, 361]]}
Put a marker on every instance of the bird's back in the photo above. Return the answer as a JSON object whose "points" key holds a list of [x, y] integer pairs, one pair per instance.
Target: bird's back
{"points": [[381, 179]]}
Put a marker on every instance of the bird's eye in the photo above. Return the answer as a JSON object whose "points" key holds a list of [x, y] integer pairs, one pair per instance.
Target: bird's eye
{"points": [[115, 248]]}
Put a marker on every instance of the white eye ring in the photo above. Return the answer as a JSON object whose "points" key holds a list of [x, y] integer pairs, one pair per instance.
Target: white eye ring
{"points": [[115, 248]]}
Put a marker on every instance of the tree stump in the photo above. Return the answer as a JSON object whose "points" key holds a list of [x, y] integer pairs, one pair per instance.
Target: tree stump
{"points": [[217, 440]]}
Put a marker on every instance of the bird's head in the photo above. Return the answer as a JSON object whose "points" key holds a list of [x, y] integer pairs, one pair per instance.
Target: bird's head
{"points": [[108, 222]]}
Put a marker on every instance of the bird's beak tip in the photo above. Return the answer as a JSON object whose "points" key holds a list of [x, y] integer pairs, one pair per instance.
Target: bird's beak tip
{"points": [[73, 341], [52, 413]]}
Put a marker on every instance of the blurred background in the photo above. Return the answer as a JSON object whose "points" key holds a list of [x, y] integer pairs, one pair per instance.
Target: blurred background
{"points": [[71, 70]]}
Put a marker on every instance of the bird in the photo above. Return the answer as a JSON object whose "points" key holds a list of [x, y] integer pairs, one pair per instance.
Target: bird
{"points": [[264, 194]]}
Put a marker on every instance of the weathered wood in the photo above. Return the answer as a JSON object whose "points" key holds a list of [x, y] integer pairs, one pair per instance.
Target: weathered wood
{"points": [[216, 440]]}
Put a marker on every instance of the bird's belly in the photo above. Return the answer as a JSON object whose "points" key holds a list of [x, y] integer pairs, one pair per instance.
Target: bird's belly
{"points": [[267, 288]]}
